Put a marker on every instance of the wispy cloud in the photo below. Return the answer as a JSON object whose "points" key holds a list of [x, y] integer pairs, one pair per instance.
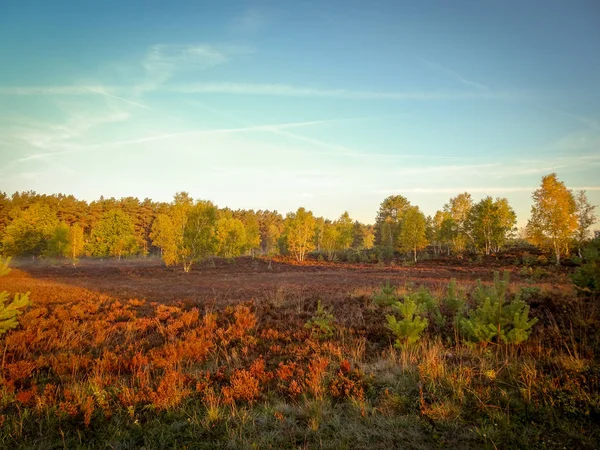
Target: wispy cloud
{"points": [[160, 63], [589, 122], [316, 142], [455, 75], [472, 190], [249, 129], [123, 99], [53, 90], [163, 64], [164, 61], [250, 22], [300, 91], [43, 141], [579, 141], [282, 90], [36, 156], [283, 132], [445, 169], [170, 58], [69, 147]]}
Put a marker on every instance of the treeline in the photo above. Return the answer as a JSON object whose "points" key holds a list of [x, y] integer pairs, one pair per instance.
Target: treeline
{"points": [[182, 231], [185, 230], [461, 225]]}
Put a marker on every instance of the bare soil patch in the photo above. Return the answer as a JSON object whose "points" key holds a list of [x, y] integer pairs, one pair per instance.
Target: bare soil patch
{"points": [[245, 279]]}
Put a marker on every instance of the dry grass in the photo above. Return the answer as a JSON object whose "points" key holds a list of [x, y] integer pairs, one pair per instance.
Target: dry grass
{"points": [[97, 367]]}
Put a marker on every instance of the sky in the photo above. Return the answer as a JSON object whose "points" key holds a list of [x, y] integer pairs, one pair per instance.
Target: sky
{"points": [[330, 105]]}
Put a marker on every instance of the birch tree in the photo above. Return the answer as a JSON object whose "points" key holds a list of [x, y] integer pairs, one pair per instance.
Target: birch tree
{"points": [[459, 208], [413, 235], [231, 237], [187, 232], [490, 222], [553, 219], [299, 233]]}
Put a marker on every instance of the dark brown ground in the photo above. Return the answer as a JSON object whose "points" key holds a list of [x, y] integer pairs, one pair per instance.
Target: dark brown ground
{"points": [[247, 279]]}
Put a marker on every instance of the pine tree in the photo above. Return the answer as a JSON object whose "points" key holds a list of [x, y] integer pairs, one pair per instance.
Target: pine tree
{"points": [[386, 296], [408, 330], [321, 324], [494, 318]]}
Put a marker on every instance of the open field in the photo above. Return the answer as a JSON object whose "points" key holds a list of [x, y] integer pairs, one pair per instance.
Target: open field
{"points": [[128, 354], [251, 279]]}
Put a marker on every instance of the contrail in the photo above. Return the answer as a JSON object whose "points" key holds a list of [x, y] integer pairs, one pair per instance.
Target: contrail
{"points": [[121, 98]]}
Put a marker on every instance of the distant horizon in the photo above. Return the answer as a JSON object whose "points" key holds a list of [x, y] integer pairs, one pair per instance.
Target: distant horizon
{"points": [[329, 105]]}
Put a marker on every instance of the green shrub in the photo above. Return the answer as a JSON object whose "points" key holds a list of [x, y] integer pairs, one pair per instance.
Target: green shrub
{"points": [[363, 256], [576, 260], [525, 271], [586, 278], [526, 293], [494, 319], [408, 330], [386, 296], [538, 273], [423, 298], [454, 305], [384, 253], [454, 301], [10, 310], [321, 323], [528, 259], [350, 256]]}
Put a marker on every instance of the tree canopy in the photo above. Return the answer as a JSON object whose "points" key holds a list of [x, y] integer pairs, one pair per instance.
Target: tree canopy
{"points": [[553, 219], [413, 235], [299, 232], [185, 231]]}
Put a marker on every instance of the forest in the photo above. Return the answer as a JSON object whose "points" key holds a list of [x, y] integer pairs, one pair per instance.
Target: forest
{"points": [[186, 231]]}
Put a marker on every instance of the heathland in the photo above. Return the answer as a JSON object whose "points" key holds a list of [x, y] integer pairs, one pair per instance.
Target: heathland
{"points": [[272, 353]]}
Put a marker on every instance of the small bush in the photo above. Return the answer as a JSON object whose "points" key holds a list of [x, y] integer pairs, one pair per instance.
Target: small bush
{"points": [[526, 293], [587, 277], [384, 253], [528, 259], [576, 260], [408, 330], [386, 296], [429, 304], [321, 324], [10, 311], [538, 273], [494, 319], [363, 257], [454, 301], [352, 256], [454, 306]]}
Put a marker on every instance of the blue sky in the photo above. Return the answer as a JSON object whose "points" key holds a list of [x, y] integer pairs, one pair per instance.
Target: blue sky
{"points": [[331, 105]]}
